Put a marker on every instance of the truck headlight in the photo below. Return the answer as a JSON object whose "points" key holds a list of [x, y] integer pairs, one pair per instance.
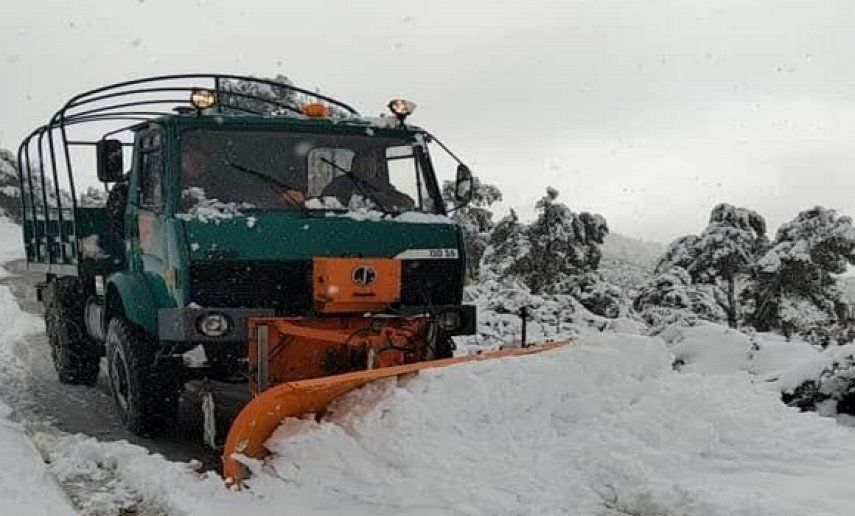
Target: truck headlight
{"points": [[213, 325]]}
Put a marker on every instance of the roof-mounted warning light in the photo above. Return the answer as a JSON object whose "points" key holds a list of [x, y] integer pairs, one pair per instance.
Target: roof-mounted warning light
{"points": [[203, 99], [315, 110], [401, 108]]}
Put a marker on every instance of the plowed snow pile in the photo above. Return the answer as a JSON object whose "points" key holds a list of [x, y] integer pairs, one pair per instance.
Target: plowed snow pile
{"points": [[605, 427]]}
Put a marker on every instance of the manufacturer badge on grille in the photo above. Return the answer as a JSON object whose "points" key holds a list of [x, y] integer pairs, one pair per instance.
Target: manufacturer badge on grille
{"points": [[363, 275]]}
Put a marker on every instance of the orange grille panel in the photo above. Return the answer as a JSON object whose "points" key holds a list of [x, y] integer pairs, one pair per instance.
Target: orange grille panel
{"points": [[348, 285]]}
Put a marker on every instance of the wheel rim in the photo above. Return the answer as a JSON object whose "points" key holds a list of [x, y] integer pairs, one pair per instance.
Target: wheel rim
{"points": [[120, 382]]}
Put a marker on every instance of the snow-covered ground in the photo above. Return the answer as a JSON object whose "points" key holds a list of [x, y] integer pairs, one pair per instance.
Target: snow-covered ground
{"points": [[603, 427], [26, 486]]}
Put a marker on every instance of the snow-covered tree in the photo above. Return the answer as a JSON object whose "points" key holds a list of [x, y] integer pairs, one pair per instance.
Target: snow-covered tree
{"points": [[671, 297], [722, 254], [507, 249], [476, 219], [726, 250], [557, 254], [561, 243], [682, 252], [10, 193], [797, 270], [598, 296]]}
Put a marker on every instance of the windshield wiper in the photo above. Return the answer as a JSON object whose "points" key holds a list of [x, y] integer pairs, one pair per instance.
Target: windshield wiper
{"points": [[286, 188], [360, 183]]}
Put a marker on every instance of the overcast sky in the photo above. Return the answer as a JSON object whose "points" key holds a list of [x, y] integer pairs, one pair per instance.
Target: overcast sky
{"points": [[648, 112]]}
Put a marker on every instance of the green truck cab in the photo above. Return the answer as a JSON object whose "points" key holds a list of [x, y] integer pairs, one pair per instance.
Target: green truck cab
{"points": [[215, 211]]}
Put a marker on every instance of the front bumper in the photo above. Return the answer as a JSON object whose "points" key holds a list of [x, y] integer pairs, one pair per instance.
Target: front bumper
{"points": [[182, 324]]}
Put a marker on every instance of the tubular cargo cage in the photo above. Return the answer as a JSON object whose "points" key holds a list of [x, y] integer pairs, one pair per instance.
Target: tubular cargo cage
{"points": [[53, 219]]}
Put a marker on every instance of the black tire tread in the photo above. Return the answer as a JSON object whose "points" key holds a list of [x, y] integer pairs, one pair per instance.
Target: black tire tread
{"points": [[154, 389], [76, 357]]}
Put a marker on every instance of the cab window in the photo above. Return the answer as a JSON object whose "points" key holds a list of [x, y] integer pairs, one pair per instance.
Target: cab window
{"points": [[151, 171]]}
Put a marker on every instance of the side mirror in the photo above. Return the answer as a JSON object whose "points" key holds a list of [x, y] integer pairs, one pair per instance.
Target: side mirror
{"points": [[109, 157], [463, 185]]}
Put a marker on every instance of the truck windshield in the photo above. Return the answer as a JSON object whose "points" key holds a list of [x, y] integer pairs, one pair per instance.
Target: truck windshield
{"points": [[302, 171]]}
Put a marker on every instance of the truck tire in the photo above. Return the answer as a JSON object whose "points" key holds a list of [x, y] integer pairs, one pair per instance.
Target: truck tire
{"points": [[76, 357], [438, 344], [146, 392]]}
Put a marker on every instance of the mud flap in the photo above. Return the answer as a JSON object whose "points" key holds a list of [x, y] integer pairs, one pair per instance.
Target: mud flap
{"points": [[209, 413], [260, 417]]}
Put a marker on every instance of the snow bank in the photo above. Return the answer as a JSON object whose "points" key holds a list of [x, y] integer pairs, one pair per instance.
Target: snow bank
{"points": [[11, 243], [604, 427], [812, 369], [551, 317], [26, 487], [708, 348], [715, 349]]}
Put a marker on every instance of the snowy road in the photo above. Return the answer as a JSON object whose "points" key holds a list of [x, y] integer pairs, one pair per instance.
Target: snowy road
{"points": [[88, 410]]}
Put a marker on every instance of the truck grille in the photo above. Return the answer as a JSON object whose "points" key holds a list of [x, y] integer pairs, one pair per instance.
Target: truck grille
{"points": [[282, 286], [286, 287], [441, 279]]}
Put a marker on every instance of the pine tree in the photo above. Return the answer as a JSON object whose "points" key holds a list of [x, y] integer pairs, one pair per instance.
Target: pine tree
{"points": [[561, 243], [726, 250], [671, 297], [476, 219], [682, 252], [721, 255], [798, 269], [10, 193], [507, 249]]}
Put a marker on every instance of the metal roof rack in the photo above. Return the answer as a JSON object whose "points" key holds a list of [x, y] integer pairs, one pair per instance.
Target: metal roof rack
{"points": [[137, 101]]}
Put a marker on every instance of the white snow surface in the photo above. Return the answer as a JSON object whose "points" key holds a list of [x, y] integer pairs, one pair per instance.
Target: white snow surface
{"points": [[11, 243], [26, 487], [604, 427]]}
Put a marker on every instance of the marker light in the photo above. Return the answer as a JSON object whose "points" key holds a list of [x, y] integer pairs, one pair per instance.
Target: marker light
{"points": [[203, 99], [449, 320], [315, 109], [402, 108]]}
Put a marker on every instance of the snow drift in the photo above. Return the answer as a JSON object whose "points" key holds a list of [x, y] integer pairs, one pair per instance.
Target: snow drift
{"points": [[605, 427], [26, 487]]}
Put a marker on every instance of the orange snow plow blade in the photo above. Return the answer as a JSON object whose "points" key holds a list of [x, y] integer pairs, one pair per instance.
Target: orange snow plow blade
{"points": [[260, 417]]}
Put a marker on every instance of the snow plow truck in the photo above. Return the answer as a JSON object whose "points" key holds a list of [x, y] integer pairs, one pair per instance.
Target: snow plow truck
{"points": [[303, 247]]}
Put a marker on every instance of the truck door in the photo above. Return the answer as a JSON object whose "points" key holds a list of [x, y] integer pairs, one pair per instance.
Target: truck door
{"points": [[150, 202]]}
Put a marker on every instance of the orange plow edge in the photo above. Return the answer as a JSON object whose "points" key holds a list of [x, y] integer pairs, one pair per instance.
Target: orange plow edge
{"points": [[257, 421]]}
